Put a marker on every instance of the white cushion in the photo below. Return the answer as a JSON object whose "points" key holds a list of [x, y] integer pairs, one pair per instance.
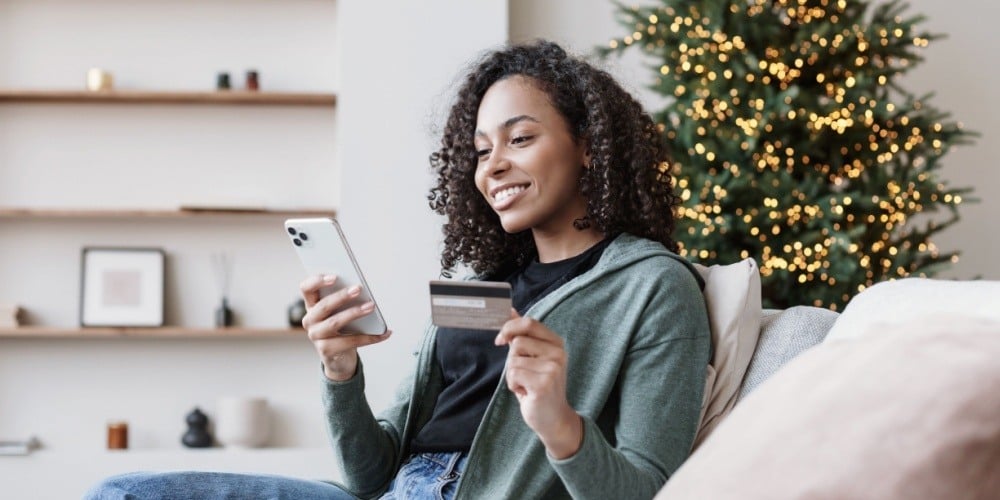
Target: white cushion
{"points": [[892, 303], [732, 295]]}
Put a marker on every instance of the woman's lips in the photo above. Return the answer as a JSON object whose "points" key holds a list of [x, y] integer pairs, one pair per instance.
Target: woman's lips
{"points": [[504, 198]]}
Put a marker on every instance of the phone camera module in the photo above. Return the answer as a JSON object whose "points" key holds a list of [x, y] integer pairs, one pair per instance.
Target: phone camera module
{"points": [[303, 236], [297, 242], [292, 231]]}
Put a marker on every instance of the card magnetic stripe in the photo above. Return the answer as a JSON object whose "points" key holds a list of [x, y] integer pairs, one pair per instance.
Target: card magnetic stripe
{"points": [[470, 291]]}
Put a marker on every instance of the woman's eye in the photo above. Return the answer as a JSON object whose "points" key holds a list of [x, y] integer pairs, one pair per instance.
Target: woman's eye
{"points": [[482, 152], [521, 139]]}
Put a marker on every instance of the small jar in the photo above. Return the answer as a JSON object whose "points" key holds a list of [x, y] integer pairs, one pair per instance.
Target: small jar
{"points": [[117, 435], [253, 80]]}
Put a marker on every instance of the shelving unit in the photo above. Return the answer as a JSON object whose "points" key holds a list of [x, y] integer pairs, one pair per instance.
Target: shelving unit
{"points": [[128, 213], [228, 97], [166, 332], [150, 164]]}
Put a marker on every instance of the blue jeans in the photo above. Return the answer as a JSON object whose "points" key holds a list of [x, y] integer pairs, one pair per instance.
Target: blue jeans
{"points": [[426, 475]]}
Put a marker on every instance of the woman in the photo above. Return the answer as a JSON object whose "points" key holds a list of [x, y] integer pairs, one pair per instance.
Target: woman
{"points": [[552, 178]]}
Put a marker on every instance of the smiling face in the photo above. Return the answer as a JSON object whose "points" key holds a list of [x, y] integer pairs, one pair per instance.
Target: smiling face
{"points": [[529, 162]]}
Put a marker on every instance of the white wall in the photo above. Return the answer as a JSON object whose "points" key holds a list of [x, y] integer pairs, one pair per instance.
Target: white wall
{"points": [[368, 158], [959, 69], [400, 65]]}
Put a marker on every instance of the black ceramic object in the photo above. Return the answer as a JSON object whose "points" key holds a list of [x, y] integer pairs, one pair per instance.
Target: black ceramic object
{"points": [[197, 435], [296, 312], [222, 82]]}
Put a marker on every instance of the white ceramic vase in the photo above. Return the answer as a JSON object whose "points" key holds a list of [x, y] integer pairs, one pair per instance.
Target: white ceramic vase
{"points": [[242, 422]]}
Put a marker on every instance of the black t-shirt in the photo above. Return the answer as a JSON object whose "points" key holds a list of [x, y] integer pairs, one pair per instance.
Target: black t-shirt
{"points": [[472, 365]]}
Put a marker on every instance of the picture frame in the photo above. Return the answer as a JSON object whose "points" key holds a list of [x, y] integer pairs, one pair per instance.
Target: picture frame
{"points": [[122, 287]]}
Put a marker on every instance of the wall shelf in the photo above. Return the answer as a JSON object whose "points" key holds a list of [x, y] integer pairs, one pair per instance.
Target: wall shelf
{"points": [[131, 213], [226, 97], [165, 332]]}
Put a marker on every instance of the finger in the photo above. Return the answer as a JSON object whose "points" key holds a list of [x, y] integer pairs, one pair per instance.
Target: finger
{"points": [[529, 382], [523, 346], [549, 367], [329, 305], [334, 324], [309, 287], [514, 385], [526, 327], [333, 345], [512, 328], [334, 348]]}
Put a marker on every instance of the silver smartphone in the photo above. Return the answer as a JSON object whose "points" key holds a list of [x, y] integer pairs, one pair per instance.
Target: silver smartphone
{"points": [[323, 249]]}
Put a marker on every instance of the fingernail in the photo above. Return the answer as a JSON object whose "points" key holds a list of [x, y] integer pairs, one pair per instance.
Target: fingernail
{"points": [[368, 306], [356, 289], [329, 278]]}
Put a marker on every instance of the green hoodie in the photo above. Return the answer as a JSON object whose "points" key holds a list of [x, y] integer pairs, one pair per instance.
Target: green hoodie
{"points": [[637, 338]]}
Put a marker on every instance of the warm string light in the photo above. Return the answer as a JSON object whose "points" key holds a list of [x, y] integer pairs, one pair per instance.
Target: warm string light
{"points": [[735, 115]]}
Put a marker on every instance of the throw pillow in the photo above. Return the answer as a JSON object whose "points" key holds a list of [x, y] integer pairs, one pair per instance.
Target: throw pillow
{"points": [[784, 334], [910, 413], [894, 302], [732, 296]]}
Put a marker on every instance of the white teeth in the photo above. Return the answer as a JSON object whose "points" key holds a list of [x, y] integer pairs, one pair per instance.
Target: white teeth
{"points": [[507, 193]]}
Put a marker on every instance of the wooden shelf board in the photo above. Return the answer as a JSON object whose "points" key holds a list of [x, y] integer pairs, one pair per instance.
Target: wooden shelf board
{"points": [[110, 213], [236, 97], [44, 332]]}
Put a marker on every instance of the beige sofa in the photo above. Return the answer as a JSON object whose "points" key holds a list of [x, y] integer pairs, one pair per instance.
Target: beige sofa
{"points": [[896, 398]]}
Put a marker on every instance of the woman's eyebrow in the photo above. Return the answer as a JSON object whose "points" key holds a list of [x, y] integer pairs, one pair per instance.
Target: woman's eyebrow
{"points": [[510, 122]]}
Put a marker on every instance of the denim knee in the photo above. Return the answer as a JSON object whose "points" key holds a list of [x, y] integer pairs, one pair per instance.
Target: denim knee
{"points": [[118, 487], [212, 485]]}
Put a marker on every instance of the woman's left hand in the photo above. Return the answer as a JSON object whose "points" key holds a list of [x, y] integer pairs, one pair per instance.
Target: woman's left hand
{"points": [[536, 374]]}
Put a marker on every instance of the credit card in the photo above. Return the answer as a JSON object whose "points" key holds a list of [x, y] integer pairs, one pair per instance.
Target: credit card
{"points": [[478, 305]]}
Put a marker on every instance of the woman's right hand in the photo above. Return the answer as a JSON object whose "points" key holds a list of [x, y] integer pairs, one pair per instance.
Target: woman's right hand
{"points": [[324, 320]]}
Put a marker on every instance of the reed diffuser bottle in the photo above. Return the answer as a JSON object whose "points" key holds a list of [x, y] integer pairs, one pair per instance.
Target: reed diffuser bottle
{"points": [[222, 265]]}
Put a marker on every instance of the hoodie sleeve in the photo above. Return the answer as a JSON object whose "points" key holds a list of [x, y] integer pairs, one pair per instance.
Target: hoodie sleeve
{"points": [[661, 382], [366, 447]]}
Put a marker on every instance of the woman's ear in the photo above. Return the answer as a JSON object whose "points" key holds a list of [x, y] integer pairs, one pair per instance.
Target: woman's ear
{"points": [[586, 154]]}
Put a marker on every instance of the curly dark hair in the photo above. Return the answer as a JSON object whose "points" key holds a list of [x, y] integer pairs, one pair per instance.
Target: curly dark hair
{"points": [[627, 185]]}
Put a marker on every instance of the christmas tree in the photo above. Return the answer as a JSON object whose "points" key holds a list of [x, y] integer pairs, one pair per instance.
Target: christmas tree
{"points": [[794, 144]]}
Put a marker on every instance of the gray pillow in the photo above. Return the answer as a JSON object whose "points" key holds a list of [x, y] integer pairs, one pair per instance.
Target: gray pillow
{"points": [[784, 334]]}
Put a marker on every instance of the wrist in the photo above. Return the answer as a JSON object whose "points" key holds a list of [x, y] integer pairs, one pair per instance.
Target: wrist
{"points": [[338, 376], [568, 439], [341, 368]]}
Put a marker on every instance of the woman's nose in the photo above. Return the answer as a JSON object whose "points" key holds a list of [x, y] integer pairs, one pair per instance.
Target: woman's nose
{"points": [[497, 164]]}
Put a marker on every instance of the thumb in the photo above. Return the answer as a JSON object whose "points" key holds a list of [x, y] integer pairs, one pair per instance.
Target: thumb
{"points": [[500, 339]]}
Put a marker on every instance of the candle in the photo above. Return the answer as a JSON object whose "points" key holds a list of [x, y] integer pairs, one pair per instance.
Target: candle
{"points": [[98, 80]]}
